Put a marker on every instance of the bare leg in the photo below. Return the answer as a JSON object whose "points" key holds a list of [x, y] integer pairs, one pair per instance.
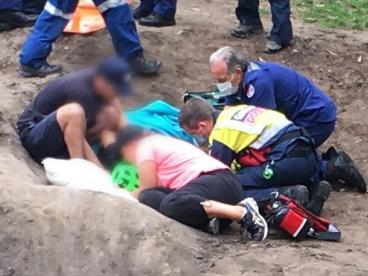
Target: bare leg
{"points": [[249, 216], [224, 211], [72, 122]]}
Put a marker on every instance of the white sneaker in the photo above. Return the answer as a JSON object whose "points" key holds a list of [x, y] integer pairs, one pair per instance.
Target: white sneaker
{"points": [[253, 220]]}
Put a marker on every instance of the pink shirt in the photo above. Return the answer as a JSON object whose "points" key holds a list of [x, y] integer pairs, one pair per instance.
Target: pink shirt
{"points": [[177, 162]]}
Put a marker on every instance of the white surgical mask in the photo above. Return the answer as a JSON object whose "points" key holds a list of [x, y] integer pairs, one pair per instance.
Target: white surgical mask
{"points": [[226, 88]]}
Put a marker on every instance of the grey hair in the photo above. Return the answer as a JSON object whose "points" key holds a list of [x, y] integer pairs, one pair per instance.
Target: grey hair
{"points": [[233, 58]]}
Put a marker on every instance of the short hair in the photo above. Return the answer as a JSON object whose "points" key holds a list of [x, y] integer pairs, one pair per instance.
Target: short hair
{"points": [[233, 58], [194, 111], [127, 135]]}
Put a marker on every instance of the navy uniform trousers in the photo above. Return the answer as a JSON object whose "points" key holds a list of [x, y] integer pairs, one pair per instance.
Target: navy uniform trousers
{"points": [[27, 6], [247, 13], [57, 13]]}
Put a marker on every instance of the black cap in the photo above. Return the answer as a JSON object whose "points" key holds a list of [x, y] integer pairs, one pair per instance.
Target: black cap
{"points": [[117, 72], [128, 134]]}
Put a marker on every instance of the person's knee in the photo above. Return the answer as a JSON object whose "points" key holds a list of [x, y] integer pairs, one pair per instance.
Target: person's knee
{"points": [[153, 197], [170, 206], [145, 197], [70, 113]]}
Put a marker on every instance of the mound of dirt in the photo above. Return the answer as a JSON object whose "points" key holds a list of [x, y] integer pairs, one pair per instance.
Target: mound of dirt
{"points": [[49, 230], [46, 230]]}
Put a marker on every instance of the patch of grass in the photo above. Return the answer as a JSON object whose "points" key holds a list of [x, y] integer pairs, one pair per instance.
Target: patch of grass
{"points": [[264, 11], [346, 14]]}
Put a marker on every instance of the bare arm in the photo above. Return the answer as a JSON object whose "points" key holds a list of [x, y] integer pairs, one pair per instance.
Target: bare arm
{"points": [[147, 176], [90, 155], [119, 109]]}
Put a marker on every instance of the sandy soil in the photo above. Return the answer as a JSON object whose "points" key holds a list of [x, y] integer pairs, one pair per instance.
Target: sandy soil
{"points": [[51, 231]]}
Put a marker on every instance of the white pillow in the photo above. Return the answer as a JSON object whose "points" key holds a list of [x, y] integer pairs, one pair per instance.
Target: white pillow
{"points": [[83, 175]]}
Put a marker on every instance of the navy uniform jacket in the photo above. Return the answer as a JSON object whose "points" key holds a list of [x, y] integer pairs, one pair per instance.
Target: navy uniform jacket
{"points": [[281, 88]]}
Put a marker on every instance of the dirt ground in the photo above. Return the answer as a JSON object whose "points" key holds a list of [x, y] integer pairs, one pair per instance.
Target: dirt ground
{"points": [[50, 231]]}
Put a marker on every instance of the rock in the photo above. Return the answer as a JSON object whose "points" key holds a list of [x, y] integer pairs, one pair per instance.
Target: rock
{"points": [[47, 230]]}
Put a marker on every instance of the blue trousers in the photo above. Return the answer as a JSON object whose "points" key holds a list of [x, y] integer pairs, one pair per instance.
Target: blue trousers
{"points": [[287, 172], [320, 132], [15, 5], [165, 8], [55, 16], [27, 6], [247, 13]]}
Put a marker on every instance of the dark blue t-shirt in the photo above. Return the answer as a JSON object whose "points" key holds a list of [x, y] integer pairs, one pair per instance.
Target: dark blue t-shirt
{"points": [[278, 87], [74, 87]]}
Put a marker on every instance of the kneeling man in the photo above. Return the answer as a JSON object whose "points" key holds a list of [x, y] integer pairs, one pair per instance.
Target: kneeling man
{"points": [[274, 86], [264, 148], [72, 110]]}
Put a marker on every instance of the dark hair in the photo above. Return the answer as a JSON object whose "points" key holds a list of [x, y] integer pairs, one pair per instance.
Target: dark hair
{"points": [[194, 111], [128, 134]]}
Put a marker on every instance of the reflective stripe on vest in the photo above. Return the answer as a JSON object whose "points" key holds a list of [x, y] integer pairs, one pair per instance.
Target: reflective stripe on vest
{"points": [[50, 8], [109, 4], [245, 126]]}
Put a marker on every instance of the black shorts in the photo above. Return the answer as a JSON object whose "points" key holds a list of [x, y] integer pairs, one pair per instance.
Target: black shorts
{"points": [[44, 138], [184, 205]]}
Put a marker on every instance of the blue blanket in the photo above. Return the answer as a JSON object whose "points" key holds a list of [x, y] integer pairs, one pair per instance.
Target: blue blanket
{"points": [[159, 117]]}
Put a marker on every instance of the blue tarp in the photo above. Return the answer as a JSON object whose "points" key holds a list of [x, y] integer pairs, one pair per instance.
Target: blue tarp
{"points": [[160, 117]]}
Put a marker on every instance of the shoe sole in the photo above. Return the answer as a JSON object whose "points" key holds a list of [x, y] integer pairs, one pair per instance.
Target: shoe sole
{"points": [[214, 226], [253, 204], [324, 190], [34, 75], [156, 25], [155, 71], [298, 193], [238, 35], [30, 75], [269, 51], [317, 202], [359, 182]]}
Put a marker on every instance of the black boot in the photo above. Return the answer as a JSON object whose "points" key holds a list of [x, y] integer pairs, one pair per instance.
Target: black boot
{"points": [[342, 170], [156, 20], [245, 30], [139, 13], [299, 193], [142, 66], [43, 71], [12, 19], [318, 197]]}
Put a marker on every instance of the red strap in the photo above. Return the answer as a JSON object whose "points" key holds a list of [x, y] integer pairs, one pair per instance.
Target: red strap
{"points": [[319, 224], [254, 157]]}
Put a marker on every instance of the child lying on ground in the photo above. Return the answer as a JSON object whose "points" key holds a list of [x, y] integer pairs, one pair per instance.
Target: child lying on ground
{"points": [[182, 182]]}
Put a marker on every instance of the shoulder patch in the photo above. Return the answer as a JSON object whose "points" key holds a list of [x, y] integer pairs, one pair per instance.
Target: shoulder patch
{"points": [[250, 91]]}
